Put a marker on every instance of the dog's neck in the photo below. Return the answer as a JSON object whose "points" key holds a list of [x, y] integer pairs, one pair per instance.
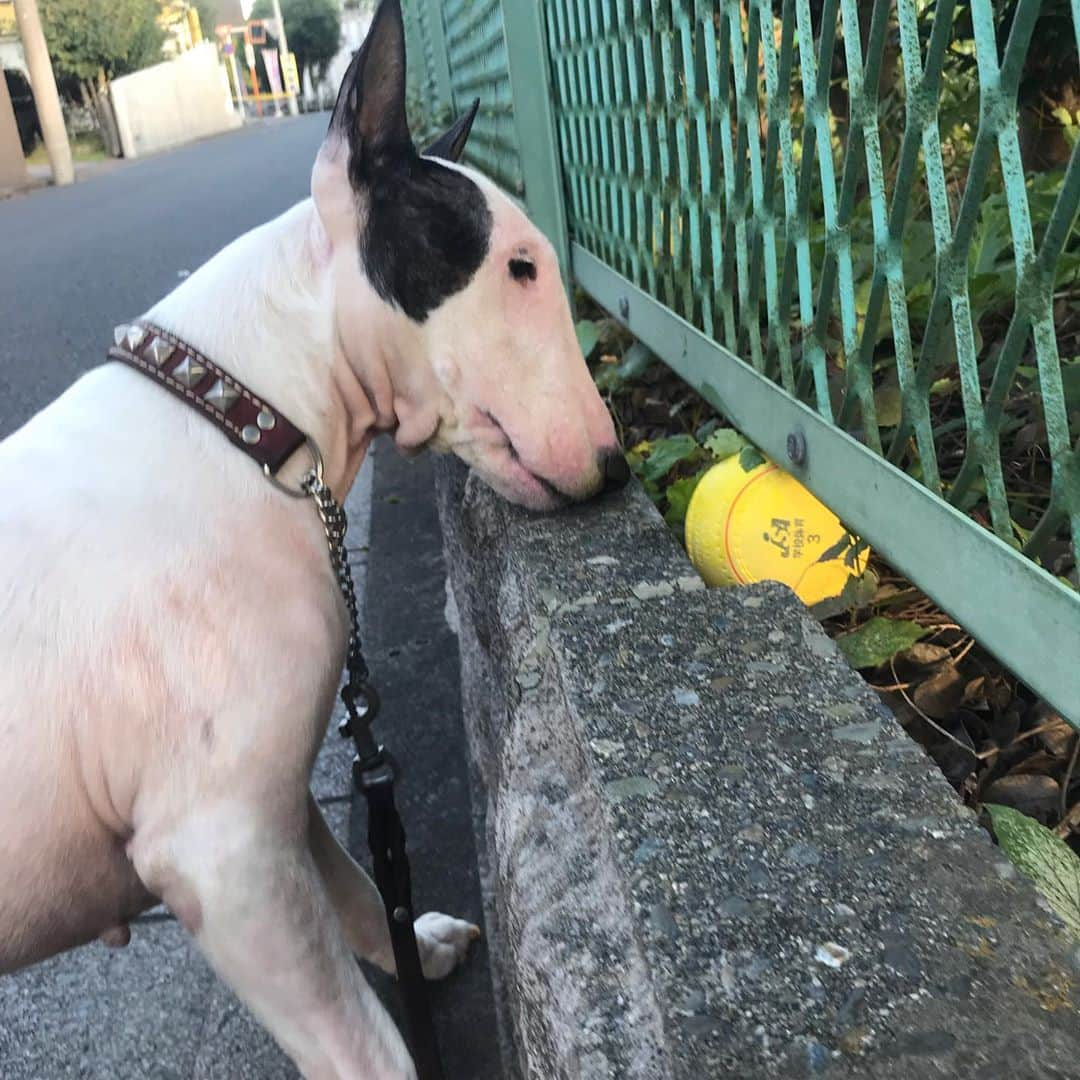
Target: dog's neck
{"points": [[263, 309]]}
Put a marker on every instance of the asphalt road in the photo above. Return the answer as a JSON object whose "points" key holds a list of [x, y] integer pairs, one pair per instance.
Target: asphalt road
{"points": [[76, 261], [73, 263]]}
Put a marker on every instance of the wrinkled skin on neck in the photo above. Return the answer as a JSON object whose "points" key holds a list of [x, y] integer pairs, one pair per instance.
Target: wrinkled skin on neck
{"points": [[449, 306]]}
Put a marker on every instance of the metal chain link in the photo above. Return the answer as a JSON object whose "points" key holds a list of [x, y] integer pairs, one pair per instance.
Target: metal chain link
{"points": [[336, 524]]}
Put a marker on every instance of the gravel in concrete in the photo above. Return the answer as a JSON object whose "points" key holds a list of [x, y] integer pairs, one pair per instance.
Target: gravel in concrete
{"points": [[712, 851]]}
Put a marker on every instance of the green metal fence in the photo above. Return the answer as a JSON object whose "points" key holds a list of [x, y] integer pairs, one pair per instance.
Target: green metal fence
{"points": [[463, 47], [827, 218]]}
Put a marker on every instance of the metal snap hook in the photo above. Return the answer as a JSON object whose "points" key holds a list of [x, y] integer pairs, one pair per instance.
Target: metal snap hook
{"points": [[313, 476]]}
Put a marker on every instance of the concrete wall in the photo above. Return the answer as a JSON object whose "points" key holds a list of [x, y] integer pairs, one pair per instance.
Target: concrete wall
{"points": [[707, 850], [173, 103], [12, 57]]}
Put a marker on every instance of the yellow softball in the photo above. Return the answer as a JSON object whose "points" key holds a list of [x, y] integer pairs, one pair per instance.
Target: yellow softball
{"points": [[763, 525]]}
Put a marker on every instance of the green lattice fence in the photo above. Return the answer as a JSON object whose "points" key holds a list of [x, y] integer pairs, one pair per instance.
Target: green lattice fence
{"points": [[429, 80], [810, 188], [476, 50], [464, 57]]}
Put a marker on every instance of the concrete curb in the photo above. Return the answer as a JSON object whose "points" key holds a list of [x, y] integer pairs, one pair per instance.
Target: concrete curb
{"points": [[414, 664], [709, 851]]}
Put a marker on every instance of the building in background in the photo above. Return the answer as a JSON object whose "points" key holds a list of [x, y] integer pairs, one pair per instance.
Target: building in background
{"points": [[17, 78], [12, 57], [183, 30], [355, 22]]}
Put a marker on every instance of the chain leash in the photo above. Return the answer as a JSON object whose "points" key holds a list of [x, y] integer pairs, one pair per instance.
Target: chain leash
{"points": [[374, 772], [359, 696], [336, 525]]}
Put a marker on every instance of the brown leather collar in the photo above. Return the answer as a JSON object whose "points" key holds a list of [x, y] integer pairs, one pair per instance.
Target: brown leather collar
{"points": [[256, 427]]}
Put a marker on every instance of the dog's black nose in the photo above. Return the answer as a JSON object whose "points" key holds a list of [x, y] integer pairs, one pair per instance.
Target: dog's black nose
{"points": [[614, 469]]}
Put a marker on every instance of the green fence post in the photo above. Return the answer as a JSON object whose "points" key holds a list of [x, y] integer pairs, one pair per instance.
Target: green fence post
{"points": [[534, 118], [440, 64], [414, 80]]}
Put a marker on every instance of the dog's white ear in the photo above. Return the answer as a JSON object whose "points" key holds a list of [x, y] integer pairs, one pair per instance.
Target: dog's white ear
{"points": [[370, 108], [450, 145]]}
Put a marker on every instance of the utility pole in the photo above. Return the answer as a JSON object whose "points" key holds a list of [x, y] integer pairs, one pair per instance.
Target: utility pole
{"points": [[43, 85], [283, 48]]}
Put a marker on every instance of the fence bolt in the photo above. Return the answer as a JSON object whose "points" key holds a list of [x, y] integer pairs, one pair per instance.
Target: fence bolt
{"points": [[624, 308], [796, 447]]}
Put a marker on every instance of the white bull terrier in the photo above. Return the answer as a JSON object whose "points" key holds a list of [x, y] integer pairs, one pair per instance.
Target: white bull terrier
{"points": [[171, 630]]}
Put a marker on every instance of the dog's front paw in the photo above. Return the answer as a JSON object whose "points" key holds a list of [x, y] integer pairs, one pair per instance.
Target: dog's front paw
{"points": [[443, 942]]}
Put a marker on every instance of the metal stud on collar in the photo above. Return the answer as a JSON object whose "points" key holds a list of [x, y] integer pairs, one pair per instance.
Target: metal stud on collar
{"points": [[128, 336], [222, 396], [188, 372], [159, 350]]}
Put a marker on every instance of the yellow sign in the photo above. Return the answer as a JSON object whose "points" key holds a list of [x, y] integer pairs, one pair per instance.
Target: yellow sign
{"points": [[292, 76], [7, 18], [763, 525]]}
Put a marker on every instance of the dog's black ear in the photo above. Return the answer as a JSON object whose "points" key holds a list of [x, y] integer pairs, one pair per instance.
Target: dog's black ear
{"points": [[370, 108], [450, 145]]}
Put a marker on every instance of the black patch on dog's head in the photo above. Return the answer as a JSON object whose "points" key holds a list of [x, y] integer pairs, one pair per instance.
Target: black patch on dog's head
{"points": [[426, 228]]}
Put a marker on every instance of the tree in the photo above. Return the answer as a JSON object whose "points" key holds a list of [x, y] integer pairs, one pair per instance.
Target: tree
{"points": [[111, 36], [92, 41], [314, 31], [208, 16]]}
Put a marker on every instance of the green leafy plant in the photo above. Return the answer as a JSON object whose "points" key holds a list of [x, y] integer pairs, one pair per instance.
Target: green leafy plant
{"points": [[878, 640], [662, 455], [750, 457], [671, 468], [613, 378], [114, 37], [92, 41], [678, 496], [209, 16], [1052, 866], [724, 443], [313, 28], [588, 336]]}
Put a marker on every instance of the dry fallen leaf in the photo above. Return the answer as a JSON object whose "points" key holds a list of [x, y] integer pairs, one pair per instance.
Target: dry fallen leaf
{"points": [[941, 694], [1030, 793], [925, 654], [1058, 739]]}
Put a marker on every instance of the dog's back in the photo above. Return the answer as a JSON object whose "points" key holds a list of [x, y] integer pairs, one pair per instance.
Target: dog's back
{"points": [[129, 611], [64, 873]]}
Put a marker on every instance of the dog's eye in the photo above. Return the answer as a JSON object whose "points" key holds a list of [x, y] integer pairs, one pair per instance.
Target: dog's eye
{"points": [[523, 269]]}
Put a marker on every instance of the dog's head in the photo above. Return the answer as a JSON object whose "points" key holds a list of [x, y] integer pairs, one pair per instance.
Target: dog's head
{"points": [[449, 304]]}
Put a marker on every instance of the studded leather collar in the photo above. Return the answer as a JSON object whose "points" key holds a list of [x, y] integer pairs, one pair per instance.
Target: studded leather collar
{"points": [[246, 420]]}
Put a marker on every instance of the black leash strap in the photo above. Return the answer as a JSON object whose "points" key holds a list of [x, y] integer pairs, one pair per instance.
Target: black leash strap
{"points": [[374, 774]]}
